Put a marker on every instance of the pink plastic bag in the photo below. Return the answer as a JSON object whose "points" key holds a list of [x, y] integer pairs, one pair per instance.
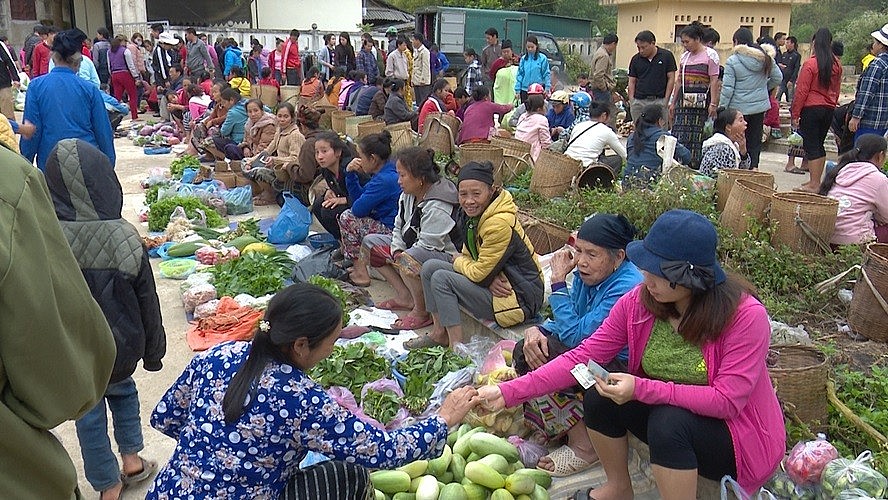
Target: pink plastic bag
{"points": [[530, 452], [806, 461], [346, 399], [495, 358], [386, 385]]}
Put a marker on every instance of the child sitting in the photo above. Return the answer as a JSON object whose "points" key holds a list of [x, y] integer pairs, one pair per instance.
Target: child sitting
{"points": [[533, 127], [238, 82], [643, 164]]}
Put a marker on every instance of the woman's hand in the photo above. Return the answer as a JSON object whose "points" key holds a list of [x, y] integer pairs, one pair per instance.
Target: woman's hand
{"points": [[794, 123], [713, 111], [457, 404], [500, 287], [334, 202], [619, 387], [536, 347], [740, 139], [562, 263], [491, 398], [354, 166]]}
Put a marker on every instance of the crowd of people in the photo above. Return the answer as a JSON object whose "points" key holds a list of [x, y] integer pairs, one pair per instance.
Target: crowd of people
{"points": [[683, 341]]}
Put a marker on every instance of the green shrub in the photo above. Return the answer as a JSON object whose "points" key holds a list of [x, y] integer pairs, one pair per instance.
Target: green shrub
{"points": [[856, 35]]}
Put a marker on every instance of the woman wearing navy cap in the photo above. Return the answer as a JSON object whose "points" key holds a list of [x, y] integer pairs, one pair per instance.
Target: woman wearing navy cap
{"points": [[697, 388]]}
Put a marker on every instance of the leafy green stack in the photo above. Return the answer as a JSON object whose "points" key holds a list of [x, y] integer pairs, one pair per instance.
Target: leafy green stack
{"points": [[160, 211], [351, 367], [381, 406], [335, 290], [253, 273], [178, 166], [477, 467], [423, 368]]}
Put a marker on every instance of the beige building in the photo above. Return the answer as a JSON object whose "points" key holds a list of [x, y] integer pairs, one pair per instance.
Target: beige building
{"points": [[666, 18]]}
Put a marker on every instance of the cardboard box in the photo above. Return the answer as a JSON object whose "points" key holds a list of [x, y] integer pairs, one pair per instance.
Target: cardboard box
{"points": [[222, 166], [227, 177]]}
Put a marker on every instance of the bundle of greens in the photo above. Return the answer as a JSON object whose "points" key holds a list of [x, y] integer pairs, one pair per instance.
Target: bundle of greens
{"points": [[423, 368], [160, 211], [253, 273], [351, 367], [178, 166], [381, 406], [247, 227], [335, 290]]}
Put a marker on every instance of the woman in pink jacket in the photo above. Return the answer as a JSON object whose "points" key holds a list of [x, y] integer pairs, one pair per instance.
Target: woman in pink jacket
{"points": [[862, 190], [697, 390]]}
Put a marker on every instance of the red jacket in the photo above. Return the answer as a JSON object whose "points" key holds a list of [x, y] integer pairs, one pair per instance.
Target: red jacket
{"points": [[40, 60], [808, 90], [85, 51], [290, 54]]}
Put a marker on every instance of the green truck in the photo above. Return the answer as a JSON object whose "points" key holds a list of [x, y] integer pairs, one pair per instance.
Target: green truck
{"points": [[455, 29]]}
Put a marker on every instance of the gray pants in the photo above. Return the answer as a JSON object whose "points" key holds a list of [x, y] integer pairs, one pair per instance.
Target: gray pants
{"points": [[445, 290], [637, 105], [420, 94]]}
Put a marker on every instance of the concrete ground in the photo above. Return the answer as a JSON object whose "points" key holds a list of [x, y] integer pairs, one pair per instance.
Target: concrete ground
{"points": [[132, 167]]}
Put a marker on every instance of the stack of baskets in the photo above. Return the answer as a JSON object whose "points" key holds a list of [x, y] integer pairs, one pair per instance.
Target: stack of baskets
{"points": [[338, 121], [441, 131], [352, 122], [869, 307], [553, 173], [727, 177], [327, 109], [544, 236], [516, 156], [290, 93], [480, 152], [799, 374], [402, 136], [369, 127], [804, 222], [748, 200]]}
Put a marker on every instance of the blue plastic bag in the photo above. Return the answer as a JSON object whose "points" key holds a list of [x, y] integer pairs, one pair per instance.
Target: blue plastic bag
{"points": [[188, 175], [238, 200], [292, 223]]}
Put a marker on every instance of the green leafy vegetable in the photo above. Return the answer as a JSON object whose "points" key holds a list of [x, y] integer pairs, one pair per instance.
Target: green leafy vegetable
{"points": [[382, 406], [423, 368], [253, 273], [178, 166], [151, 194], [159, 215], [351, 367], [335, 290]]}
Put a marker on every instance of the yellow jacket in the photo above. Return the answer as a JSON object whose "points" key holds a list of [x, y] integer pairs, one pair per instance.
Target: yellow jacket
{"points": [[7, 136]]}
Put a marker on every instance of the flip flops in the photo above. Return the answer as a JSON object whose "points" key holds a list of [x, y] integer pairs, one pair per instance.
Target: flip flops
{"points": [[393, 305], [412, 323], [567, 463], [583, 494], [796, 171], [149, 467], [421, 342]]}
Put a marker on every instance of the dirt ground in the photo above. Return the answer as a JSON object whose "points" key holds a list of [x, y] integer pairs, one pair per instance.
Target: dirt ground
{"points": [[132, 167]]}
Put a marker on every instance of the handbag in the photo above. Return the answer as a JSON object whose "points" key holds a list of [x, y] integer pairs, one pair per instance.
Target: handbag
{"points": [[692, 100]]}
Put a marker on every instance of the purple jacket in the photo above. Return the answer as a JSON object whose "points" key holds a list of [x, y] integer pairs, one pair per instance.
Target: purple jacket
{"points": [[739, 390]]}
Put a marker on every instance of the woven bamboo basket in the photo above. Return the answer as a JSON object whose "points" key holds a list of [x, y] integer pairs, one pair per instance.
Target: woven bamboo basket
{"points": [[869, 307], [728, 176], [553, 173], [799, 375], [290, 93], [596, 175], [516, 156], [352, 122], [440, 132], [327, 109], [480, 153], [804, 222], [366, 128], [544, 236], [338, 121], [268, 94], [747, 200], [402, 136]]}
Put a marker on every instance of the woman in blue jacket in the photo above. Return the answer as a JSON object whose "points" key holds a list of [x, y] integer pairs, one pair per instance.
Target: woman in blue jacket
{"points": [[643, 164], [532, 68], [374, 204], [751, 74], [231, 133]]}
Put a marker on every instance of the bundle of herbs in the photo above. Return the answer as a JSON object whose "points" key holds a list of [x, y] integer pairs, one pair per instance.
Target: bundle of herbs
{"points": [[423, 369], [332, 286], [381, 406], [253, 273], [161, 210], [351, 367]]}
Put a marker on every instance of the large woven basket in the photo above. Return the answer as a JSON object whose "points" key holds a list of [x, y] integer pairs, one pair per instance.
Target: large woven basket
{"points": [[352, 122], [339, 117], [596, 175], [747, 200], [290, 93], [268, 94], [440, 132], [480, 153], [553, 173], [804, 222], [869, 307], [369, 127], [402, 136], [799, 373], [544, 236], [327, 109], [728, 176], [516, 156]]}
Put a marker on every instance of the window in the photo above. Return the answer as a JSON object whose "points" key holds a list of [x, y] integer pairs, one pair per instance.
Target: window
{"points": [[23, 10], [766, 31]]}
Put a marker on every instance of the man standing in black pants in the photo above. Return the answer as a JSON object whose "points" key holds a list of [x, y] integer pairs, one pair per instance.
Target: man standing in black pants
{"points": [[789, 63], [651, 75]]}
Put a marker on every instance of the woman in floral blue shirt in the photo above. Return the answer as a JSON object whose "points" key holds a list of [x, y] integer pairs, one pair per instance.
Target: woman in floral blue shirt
{"points": [[245, 414]]}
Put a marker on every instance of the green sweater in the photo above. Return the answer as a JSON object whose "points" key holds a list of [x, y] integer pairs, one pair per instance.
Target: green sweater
{"points": [[56, 350]]}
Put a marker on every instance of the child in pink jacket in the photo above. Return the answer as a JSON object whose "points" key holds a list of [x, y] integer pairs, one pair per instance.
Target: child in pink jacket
{"points": [[697, 388], [862, 190], [533, 126]]}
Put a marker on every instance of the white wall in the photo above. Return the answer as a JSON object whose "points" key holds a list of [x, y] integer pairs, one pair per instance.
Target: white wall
{"points": [[330, 15]]}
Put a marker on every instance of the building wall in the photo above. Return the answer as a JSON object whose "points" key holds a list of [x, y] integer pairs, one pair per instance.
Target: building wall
{"points": [[338, 15], [47, 12], [662, 17]]}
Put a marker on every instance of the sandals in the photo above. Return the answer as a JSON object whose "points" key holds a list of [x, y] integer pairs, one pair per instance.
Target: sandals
{"points": [[796, 171], [259, 202], [149, 467], [421, 342], [583, 494], [803, 189], [567, 463], [393, 305], [413, 323]]}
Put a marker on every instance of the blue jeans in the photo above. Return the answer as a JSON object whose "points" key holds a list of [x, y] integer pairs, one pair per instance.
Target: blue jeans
{"points": [[99, 463], [860, 131]]}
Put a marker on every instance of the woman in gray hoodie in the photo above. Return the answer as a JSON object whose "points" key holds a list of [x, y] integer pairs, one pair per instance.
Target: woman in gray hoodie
{"points": [[425, 228]]}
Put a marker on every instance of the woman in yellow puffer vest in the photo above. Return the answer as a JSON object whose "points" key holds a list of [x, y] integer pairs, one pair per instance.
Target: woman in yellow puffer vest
{"points": [[7, 136]]}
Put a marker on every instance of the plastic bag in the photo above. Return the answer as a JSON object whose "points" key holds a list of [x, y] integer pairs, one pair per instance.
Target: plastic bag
{"points": [[854, 494], [347, 400], [318, 262], [211, 256], [806, 461], [206, 309], [530, 452], [737, 492], [188, 175], [794, 139], [450, 382], [842, 474], [240, 201], [197, 295], [476, 350], [177, 269], [385, 385], [196, 279], [292, 223], [496, 358], [782, 486]]}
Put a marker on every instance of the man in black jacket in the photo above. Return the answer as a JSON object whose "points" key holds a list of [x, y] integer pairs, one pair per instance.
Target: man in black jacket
{"points": [[40, 32], [790, 63], [8, 78]]}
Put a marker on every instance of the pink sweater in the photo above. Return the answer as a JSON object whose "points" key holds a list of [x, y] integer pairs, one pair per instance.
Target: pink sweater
{"points": [[479, 119], [533, 128], [739, 390], [862, 191]]}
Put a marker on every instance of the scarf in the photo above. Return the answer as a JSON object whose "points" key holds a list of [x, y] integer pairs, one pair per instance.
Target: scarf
{"points": [[719, 138], [472, 236]]}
